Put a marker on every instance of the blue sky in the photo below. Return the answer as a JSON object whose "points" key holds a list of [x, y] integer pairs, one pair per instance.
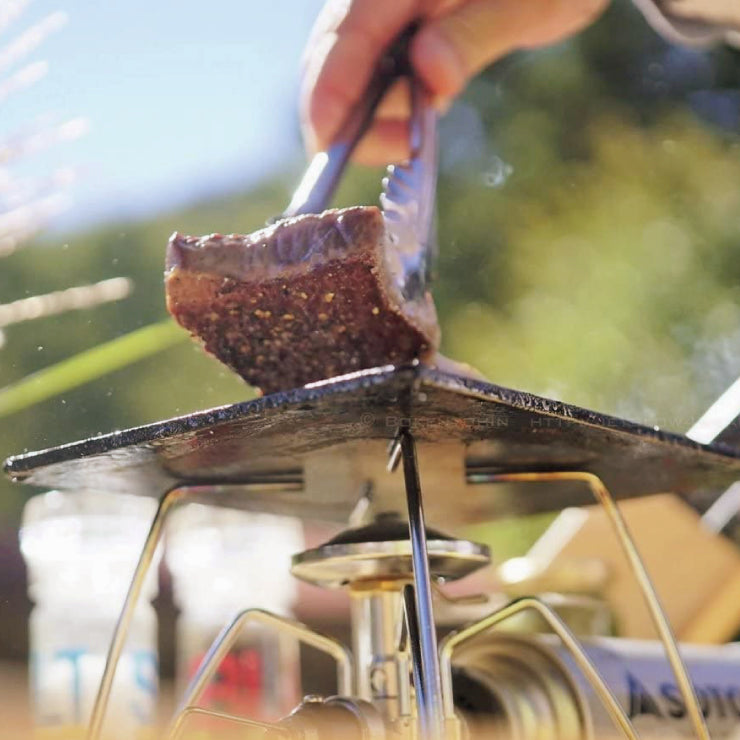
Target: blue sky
{"points": [[183, 97]]}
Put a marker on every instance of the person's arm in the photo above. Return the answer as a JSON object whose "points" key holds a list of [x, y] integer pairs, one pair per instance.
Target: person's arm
{"points": [[456, 39]]}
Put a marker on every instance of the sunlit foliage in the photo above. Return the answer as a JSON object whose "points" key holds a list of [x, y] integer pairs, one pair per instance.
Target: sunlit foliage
{"points": [[589, 230]]}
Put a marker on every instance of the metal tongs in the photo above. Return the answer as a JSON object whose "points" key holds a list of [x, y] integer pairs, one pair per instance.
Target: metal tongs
{"points": [[409, 189]]}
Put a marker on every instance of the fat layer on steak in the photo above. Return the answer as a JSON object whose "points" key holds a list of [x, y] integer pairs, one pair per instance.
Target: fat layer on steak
{"points": [[308, 298]]}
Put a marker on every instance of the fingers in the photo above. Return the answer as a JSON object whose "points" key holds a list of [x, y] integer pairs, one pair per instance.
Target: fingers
{"points": [[457, 39], [395, 104], [347, 41], [454, 47], [386, 141], [449, 50], [558, 19]]}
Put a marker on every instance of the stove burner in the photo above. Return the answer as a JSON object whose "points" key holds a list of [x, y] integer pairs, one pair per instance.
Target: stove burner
{"points": [[381, 551]]}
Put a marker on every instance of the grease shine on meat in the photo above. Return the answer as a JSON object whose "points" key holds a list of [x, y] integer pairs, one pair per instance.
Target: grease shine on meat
{"points": [[308, 298]]}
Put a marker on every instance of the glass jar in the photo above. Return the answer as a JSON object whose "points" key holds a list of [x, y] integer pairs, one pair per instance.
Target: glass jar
{"points": [[224, 561], [81, 549]]}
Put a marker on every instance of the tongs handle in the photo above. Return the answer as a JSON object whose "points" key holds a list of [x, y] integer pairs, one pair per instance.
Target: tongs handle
{"points": [[319, 183]]}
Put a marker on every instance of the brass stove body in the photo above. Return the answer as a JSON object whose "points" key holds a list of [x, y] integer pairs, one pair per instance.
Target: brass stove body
{"points": [[477, 452]]}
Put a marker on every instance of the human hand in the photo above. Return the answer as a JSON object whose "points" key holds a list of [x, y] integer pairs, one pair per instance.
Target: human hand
{"points": [[455, 41]]}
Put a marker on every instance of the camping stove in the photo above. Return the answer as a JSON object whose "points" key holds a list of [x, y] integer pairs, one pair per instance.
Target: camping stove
{"points": [[361, 449]]}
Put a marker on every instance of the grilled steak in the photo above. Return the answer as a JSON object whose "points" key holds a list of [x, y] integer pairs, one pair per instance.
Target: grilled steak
{"points": [[308, 298]]}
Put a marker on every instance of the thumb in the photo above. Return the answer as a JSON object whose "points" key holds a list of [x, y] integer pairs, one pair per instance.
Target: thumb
{"points": [[452, 48]]}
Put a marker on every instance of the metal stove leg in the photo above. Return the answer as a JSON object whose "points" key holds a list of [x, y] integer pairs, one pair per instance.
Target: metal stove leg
{"points": [[429, 699], [228, 636], [453, 640], [403, 663], [660, 620], [120, 633], [275, 733]]}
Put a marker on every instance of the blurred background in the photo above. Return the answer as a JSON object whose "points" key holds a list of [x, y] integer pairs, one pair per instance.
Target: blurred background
{"points": [[589, 218]]}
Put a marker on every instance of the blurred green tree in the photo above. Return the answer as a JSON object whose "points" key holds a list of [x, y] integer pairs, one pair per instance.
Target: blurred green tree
{"points": [[589, 237]]}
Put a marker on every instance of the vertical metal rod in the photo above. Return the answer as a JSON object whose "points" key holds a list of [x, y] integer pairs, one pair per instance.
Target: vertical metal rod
{"points": [[429, 702], [412, 627], [650, 595], [120, 633]]}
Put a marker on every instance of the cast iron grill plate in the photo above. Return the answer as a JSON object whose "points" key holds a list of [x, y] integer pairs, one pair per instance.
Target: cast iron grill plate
{"points": [[256, 449]]}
